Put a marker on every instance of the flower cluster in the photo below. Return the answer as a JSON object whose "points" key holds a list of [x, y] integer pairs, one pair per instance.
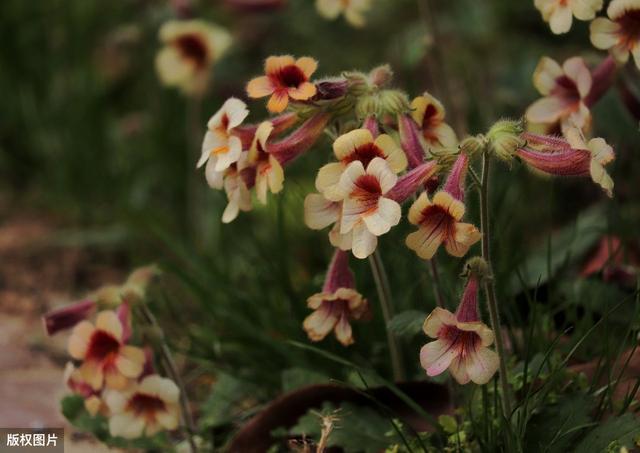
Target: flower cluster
{"points": [[115, 378]]}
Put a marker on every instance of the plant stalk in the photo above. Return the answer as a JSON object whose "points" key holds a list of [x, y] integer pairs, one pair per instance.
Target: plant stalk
{"points": [[489, 287], [435, 279], [172, 370], [384, 295]]}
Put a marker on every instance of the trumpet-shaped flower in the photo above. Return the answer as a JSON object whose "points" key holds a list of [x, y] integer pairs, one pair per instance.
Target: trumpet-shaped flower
{"points": [[269, 174], [337, 304], [358, 145], [146, 408], [462, 341], [620, 33], [572, 157], [565, 89], [559, 13], [238, 195], [220, 147], [106, 357], [353, 10], [285, 79], [190, 49], [429, 113], [438, 220], [366, 212]]}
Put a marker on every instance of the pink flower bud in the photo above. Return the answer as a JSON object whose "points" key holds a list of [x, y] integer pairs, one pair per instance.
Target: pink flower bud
{"points": [[455, 183], [603, 76], [410, 140], [412, 181], [67, 317], [338, 274], [371, 123], [329, 89], [468, 309], [300, 140]]}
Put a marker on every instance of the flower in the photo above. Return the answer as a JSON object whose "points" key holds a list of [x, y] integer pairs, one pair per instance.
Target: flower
{"points": [[337, 304], [571, 157], [148, 407], [429, 113], [106, 357], [366, 212], [190, 49], [438, 220], [285, 78], [564, 89], [353, 10], [238, 195], [559, 13], [269, 172], [620, 33], [220, 147], [358, 145], [93, 402], [462, 341], [319, 213]]}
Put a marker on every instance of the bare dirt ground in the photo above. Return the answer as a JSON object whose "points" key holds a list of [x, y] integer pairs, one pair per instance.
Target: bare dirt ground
{"points": [[35, 276]]}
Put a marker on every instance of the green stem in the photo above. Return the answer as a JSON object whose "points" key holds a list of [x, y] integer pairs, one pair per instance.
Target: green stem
{"points": [[172, 370], [489, 287], [384, 294]]}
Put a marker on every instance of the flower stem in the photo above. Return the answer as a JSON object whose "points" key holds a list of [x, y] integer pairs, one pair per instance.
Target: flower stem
{"points": [[172, 370], [489, 285], [435, 279], [384, 294]]}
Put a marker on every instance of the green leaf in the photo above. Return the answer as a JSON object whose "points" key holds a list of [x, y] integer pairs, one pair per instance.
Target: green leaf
{"points": [[569, 243], [407, 324], [294, 378], [555, 426], [226, 395], [622, 430]]}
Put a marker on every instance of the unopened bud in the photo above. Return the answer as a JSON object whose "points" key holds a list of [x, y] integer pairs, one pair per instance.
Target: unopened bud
{"points": [[368, 105], [477, 267], [357, 81], [394, 102], [380, 76], [472, 146], [505, 138]]}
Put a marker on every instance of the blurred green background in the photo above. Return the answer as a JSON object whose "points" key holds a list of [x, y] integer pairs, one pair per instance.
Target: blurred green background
{"points": [[90, 137]]}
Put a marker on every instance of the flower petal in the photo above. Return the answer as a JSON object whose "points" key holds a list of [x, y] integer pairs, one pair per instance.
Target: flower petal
{"points": [[364, 243], [561, 19], [575, 69], [343, 331], [278, 101], [276, 63], [394, 155], [437, 318], [546, 110], [308, 65], [482, 365], [427, 239], [346, 144], [464, 237], [304, 91], [319, 323], [415, 212], [130, 361], [545, 75], [79, 339], [436, 356], [126, 425], [319, 212], [108, 321], [379, 168], [604, 33], [328, 177], [260, 87], [387, 215]]}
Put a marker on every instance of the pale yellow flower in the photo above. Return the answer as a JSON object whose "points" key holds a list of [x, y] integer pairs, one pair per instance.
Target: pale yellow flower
{"points": [[106, 358], [560, 13], [620, 33], [430, 114], [354, 10], [358, 145], [565, 89], [190, 49], [146, 408], [220, 148]]}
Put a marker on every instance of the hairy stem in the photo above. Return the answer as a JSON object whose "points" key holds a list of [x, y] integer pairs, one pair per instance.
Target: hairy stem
{"points": [[384, 294], [489, 287], [172, 370]]}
